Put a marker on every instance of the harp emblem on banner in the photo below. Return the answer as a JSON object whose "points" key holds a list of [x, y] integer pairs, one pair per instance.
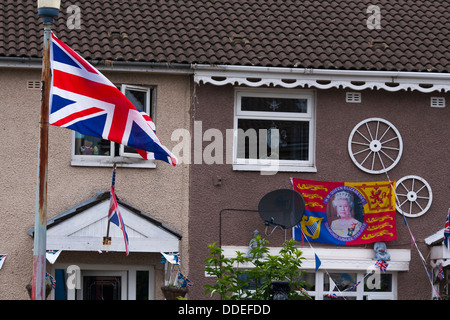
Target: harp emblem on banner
{"points": [[311, 226]]}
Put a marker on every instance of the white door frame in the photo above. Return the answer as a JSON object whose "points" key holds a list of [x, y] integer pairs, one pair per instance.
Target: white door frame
{"points": [[128, 272]]}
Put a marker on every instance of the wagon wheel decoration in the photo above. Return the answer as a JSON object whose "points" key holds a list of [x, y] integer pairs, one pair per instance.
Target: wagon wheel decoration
{"points": [[414, 196], [375, 145]]}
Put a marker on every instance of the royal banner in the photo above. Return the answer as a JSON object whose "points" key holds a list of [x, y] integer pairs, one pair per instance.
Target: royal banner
{"points": [[346, 213]]}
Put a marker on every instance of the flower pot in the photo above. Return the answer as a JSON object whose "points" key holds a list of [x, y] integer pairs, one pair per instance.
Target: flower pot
{"points": [[48, 289], [171, 293]]}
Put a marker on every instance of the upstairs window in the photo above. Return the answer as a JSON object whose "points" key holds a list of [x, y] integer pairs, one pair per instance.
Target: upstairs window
{"points": [[275, 129], [92, 151]]}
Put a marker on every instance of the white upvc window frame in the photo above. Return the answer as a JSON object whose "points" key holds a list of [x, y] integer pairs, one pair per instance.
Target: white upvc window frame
{"points": [[149, 108], [358, 293], [343, 260], [242, 164], [123, 159]]}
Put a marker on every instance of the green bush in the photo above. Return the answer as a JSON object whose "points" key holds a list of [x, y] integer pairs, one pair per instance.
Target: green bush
{"points": [[233, 275]]}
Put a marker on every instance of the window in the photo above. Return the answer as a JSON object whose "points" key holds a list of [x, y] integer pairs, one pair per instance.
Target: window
{"points": [[274, 128], [92, 151], [351, 285], [103, 282], [348, 285]]}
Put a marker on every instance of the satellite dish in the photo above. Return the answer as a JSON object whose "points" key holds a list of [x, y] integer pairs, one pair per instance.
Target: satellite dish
{"points": [[282, 208]]}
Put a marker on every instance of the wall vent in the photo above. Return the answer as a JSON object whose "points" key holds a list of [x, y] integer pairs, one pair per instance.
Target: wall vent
{"points": [[437, 102], [34, 84], [353, 97]]}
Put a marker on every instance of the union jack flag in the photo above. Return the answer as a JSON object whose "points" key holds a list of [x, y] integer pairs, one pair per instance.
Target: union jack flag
{"points": [[382, 265], [447, 231], [84, 100], [441, 275], [114, 215]]}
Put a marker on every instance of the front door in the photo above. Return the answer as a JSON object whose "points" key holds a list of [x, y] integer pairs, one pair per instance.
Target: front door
{"points": [[104, 285], [102, 288]]}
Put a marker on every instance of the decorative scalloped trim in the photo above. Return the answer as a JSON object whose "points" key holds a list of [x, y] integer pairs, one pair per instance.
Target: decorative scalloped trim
{"points": [[319, 84]]}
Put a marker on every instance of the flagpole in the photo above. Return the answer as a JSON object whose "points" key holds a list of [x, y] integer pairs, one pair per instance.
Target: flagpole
{"points": [[48, 9]]}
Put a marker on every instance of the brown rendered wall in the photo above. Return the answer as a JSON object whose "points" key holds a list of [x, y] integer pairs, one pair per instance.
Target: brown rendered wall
{"points": [[425, 132]]}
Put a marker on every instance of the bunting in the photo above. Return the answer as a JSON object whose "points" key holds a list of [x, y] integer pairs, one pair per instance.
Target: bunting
{"points": [[52, 255], [172, 257], [317, 260], [2, 259]]}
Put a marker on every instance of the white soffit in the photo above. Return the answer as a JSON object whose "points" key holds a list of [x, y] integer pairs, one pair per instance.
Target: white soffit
{"points": [[435, 238], [321, 78], [84, 231]]}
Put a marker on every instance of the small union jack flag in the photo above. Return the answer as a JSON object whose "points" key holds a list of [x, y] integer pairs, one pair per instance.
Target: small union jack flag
{"points": [[50, 278], [447, 231], [441, 272], [84, 100], [114, 214], [382, 265]]}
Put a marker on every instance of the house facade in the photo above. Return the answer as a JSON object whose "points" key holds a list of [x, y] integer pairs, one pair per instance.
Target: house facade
{"points": [[236, 192], [322, 73], [152, 196], [216, 78]]}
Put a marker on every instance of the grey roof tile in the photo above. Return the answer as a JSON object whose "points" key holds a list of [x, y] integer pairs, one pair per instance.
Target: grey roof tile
{"points": [[414, 34]]}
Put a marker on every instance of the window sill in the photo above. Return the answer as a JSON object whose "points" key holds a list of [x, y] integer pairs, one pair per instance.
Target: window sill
{"points": [[273, 168], [100, 161]]}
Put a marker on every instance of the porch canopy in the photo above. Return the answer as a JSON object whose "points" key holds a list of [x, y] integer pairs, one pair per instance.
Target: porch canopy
{"points": [[439, 253], [83, 227]]}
